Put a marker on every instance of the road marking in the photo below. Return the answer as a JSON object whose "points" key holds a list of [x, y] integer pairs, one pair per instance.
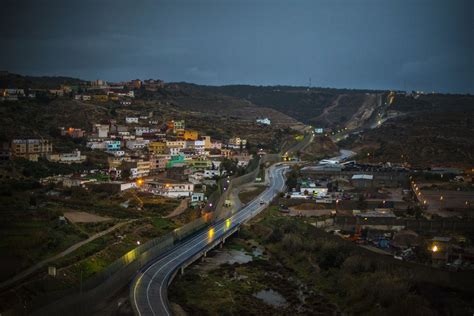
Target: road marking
{"points": [[246, 213]]}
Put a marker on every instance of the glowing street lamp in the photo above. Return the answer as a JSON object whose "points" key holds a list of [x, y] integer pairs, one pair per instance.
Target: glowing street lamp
{"points": [[434, 248], [138, 242]]}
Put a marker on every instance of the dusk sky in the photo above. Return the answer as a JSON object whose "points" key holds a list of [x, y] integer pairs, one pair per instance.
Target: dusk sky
{"points": [[376, 44]]}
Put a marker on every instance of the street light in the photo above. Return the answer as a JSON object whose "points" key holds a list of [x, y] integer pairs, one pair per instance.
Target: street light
{"points": [[138, 242]]}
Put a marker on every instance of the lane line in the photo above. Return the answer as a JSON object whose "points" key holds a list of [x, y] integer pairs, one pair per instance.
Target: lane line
{"points": [[237, 219]]}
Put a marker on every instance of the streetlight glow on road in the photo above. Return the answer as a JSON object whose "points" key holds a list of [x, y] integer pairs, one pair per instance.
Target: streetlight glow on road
{"points": [[210, 234]]}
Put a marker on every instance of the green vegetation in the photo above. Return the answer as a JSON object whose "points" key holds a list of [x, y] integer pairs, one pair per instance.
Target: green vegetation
{"points": [[30, 237], [249, 195], [163, 225]]}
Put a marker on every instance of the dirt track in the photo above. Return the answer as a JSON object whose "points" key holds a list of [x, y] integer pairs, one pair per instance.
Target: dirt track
{"points": [[83, 217]]}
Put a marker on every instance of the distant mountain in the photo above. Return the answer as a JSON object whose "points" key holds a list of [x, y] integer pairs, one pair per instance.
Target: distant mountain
{"points": [[9, 80]]}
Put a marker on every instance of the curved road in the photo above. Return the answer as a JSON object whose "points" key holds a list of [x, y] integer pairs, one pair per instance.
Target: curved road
{"points": [[149, 290]]}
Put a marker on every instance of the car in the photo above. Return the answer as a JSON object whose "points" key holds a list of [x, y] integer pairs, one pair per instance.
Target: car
{"points": [[262, 202]]}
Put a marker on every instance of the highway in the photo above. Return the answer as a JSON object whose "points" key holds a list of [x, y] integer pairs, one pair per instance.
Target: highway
{"points": [[149, 289]]}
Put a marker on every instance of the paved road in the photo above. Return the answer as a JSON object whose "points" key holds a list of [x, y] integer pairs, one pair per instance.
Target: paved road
{"points": [[149, 290]]}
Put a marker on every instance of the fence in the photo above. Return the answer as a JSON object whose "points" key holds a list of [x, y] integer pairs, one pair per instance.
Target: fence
{"points": [[122, 271], [419, 225], [298, 146], [253, 171], [115, 276]]}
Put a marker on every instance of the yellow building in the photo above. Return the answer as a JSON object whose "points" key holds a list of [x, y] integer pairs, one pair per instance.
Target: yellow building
{"points": [[157, 147], [100, 97], [207, 142], [190, 135], [114, 162], [30, 149]]}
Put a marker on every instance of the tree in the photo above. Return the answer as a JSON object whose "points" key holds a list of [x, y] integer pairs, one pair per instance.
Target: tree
{"points": [[125, 173], [362, 203]]}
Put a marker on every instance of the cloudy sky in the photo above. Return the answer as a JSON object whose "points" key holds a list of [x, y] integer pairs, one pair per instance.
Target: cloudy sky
{"points": [[380, 44]]}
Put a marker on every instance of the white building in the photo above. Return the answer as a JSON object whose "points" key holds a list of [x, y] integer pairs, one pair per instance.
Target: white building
{"points": [[118, 153], [199, 147], [197, 197], [137, 144], [264, 121], [102, 130], [96, 145], [208, 174], [131, 120], [196, 177], [74, 157], [139, 131], [172, 190]]}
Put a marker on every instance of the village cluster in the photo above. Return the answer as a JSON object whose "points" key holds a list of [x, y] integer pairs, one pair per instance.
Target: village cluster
{"points": [[144, 152], [167, 159]]}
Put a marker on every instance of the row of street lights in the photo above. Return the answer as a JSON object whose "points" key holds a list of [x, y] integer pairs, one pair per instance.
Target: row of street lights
{"points": [[417, 191]]}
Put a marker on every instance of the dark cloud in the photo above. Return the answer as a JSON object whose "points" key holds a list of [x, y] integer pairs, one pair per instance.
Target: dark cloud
{"points": [[388, 44]]}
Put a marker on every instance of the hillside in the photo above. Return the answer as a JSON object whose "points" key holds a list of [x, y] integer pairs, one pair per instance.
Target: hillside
{"points": [[433, 130], [323, 107], [9, 80]]}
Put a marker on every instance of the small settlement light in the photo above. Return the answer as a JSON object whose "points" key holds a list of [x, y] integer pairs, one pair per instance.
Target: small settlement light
{"points": [[138, 242], [434, 248]]}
